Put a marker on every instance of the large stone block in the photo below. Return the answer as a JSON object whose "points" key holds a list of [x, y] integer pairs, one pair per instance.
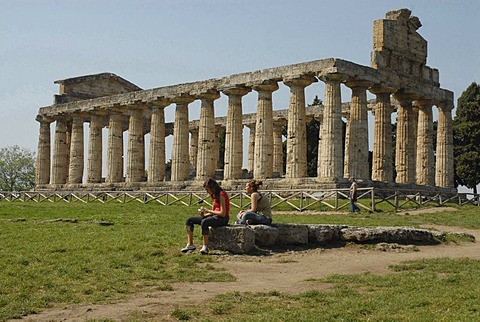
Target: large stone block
{"points": [[324, 233], [265, 235], [235, 239], [291, 234], [398, 235]]}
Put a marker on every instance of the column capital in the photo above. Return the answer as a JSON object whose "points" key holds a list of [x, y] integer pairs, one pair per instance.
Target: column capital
{"points": [[303, 81], [160, 102], [236, 90], [333, 77], [265, 86], [43, 119], [183, 98], [358, 84], [422, 103], [209, 95], [446, 106], [381, 89]]}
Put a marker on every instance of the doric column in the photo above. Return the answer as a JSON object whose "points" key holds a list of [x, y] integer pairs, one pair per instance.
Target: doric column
{"points": [[382, 166], [95, 145], [444, 153], [156, 163], [251, 148], [75, 171], [136, 146], [356, 147], [180, 159], [193, 149], [234, 133], [68, 139], [405, 144], [216, 146], [207, 155], [297, 131], [277, 148], [115, 149], [42, 174], [263, 161], [330, 150], [424, 158], [60, 153]]}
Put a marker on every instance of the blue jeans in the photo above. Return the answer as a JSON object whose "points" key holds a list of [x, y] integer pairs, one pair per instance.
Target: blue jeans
{"points": [[254, 219], [353, 206]]}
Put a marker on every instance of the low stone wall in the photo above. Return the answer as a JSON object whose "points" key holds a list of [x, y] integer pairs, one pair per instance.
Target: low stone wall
{"points": [[243, 239]]}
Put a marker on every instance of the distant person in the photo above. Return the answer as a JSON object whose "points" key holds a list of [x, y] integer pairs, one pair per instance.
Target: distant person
{"points": [[260, 212], [216, 217], [353, 195]]}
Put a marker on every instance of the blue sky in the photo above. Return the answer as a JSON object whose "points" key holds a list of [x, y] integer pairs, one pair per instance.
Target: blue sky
{"points": [[158, 43]]}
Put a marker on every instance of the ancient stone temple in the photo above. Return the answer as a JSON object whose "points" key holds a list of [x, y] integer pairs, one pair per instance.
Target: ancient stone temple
{"points": [[398, 77]]}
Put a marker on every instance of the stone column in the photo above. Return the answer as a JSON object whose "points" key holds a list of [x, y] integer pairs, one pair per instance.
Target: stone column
{"points": [[263, 160], [60, 153], [277, 148], [75, 173], [95, 146], [251, 148], [382, 162], [180, 159], [115, 149], [42, 174], [425, 159], [193, 149], [207, 155], [136, 147], [68, 139], [356, 147], [297, 131], [444, 153], [405, 144], [216, 146], [330, 150], [156, 163], [234, 133]]}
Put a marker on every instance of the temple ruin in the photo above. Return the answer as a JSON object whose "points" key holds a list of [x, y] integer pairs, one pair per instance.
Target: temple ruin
{"points": [[398, 77]]}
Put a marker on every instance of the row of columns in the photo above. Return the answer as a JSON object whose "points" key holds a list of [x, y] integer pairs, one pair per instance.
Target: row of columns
{"points": [[414, 157]]}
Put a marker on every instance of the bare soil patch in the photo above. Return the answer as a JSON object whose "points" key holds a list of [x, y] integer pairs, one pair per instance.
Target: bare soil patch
{"points": [[289, 271]]}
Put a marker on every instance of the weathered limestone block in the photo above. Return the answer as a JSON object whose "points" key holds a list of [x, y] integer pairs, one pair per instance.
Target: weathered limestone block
{"points": [[265, 235], [235, 239], [291, 234], [324, 233], [389, 235]]}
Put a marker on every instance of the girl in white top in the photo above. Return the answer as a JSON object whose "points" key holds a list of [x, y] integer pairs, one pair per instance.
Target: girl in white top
{"points": [[260, 212]]}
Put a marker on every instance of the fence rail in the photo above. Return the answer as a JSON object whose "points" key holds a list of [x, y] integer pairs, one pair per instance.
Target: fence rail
{"points": [[372, 199]]}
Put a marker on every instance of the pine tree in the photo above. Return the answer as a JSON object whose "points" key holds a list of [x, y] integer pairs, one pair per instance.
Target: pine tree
{"points": [[466, 138]]}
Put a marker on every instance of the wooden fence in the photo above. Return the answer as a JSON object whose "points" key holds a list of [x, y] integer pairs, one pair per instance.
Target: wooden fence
{"points": [[371, 199]]}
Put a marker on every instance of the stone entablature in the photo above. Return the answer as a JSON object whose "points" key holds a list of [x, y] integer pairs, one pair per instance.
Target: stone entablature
{"points": [[417, 87], [399, 77]]}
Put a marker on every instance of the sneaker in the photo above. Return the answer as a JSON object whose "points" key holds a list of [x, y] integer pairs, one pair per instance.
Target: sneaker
{"points": [[188, 248], [204, 250]]}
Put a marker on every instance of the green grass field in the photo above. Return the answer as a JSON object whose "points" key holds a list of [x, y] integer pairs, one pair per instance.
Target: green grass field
{"points": [[47, 262]]}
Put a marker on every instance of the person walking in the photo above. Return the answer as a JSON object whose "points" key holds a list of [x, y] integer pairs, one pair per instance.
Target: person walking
{"points": [[353, 195]]}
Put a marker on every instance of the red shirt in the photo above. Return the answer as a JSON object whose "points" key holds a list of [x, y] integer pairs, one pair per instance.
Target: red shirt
{"points": [[217, 206]]}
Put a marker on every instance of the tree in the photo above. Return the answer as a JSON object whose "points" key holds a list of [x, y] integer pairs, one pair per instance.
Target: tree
{"points": [[466, 138], [17, 169]]}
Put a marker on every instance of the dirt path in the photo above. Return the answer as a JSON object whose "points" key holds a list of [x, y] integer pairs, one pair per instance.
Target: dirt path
{"points": [[285, 272]]}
